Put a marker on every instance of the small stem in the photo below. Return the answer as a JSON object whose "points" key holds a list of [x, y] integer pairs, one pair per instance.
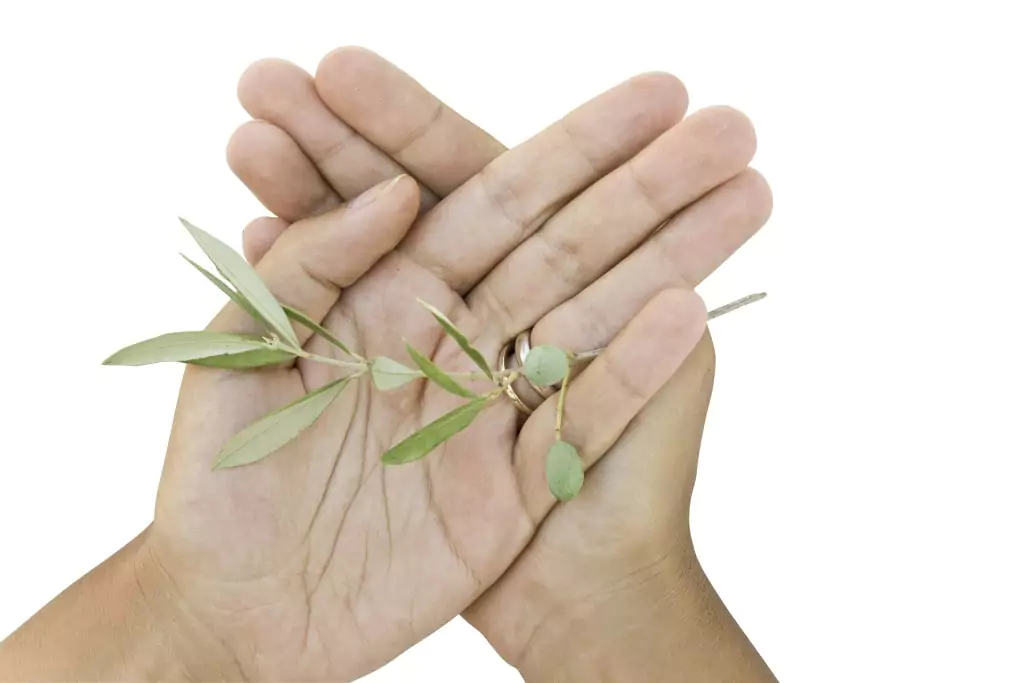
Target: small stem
{"points": [[475, 375], [331, 361], [721, 310], [739, 303], [560, 408]]}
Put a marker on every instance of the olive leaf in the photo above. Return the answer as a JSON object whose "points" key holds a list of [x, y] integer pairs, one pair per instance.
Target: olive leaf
{"points": [[274, 430], [459, 337], [246, 360], [564, 471], [189, 347], [226, 288], [546, 365], [293, 313], [437, 375], [246, 281], [389, 374], [434, 434], [310, 324]]}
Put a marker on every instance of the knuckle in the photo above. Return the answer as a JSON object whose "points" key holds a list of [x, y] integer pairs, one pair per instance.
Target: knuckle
{"points": [[563, 260], [503, 201], [623, 382]]}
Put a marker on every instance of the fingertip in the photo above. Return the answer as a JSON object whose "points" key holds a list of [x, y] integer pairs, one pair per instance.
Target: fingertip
{"points": [[667, 93], [681, 316], [261, 84], [733, 127], [274, 168], [761, 199], [364, 230], [410, 191], [682, 305], [347, 60], [407, 196], [259, 236], [241, 143]]}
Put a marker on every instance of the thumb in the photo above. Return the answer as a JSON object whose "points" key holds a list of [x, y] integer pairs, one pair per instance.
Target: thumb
{"points": [[657, 454], [311, 262]]}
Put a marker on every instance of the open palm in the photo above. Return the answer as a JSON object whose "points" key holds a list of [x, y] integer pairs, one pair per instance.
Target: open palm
{"points": [[631, 518], [319, 562]]}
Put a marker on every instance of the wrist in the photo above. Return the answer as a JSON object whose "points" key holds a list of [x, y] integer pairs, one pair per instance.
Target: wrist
{"points": [[624, 634], [116, 623], [670, 625], [189, 651]]}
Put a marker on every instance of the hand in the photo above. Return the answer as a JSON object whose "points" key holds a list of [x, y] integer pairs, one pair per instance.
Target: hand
{"points": [[591, 589], [320, 563]]}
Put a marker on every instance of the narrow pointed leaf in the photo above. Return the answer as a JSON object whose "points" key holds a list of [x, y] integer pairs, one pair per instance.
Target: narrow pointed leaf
{"points": [[186, 346], [564, 471], [245, 280], [460, 339], [434, 434], [437, 375], [389, 374], [271, 432], [226, 288], [546, 365], [310, 324], [295, 314], [248, 359]]}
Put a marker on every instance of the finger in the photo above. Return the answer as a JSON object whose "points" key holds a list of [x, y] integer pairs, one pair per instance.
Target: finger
{"points": [[259, 236], [484, 219], [610, 392], [655, 458], [681, 255], [307, 268], [276, 171], [401, 118], [280, 92], [607, 221]]}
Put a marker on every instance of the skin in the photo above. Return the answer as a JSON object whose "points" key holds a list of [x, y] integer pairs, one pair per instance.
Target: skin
{"points": [[252, 573], [610, 587]]}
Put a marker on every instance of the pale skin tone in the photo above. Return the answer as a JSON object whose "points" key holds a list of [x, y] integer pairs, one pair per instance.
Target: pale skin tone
{"points": [[262, 559]]}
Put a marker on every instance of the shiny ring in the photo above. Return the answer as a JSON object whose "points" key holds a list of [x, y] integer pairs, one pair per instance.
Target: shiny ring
{"points": [[522, 351], [511, 392]]}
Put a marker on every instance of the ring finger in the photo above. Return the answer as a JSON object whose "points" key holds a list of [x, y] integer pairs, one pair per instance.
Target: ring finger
{"points": [[684, 252]]}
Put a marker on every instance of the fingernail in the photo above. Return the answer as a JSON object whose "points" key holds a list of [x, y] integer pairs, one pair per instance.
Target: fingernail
{"points": [[374, 193]]}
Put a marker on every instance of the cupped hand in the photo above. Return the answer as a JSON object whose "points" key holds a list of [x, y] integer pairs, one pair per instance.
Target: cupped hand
{"points": [[321, 563], [601, 567]]}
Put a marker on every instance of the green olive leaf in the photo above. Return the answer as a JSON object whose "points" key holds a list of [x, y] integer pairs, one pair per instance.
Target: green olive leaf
{"points": [[293, 313], [310, 324], [437, 375], [246, 281], [460, 338], [389, 374], [434, 434], [247, 359], [226, 288], [274, 430], [546, 365], [564, 470], [187, 347]]}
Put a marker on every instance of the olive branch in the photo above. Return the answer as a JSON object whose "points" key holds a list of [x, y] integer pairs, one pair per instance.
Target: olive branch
{"points": [[545, 366]]}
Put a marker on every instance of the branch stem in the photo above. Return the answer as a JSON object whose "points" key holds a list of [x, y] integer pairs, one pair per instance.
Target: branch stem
{"points": [[560, 407], [721, 310]]}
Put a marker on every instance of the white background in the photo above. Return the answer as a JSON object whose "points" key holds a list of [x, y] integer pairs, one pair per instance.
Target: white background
{"points": [[859, 505]]}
